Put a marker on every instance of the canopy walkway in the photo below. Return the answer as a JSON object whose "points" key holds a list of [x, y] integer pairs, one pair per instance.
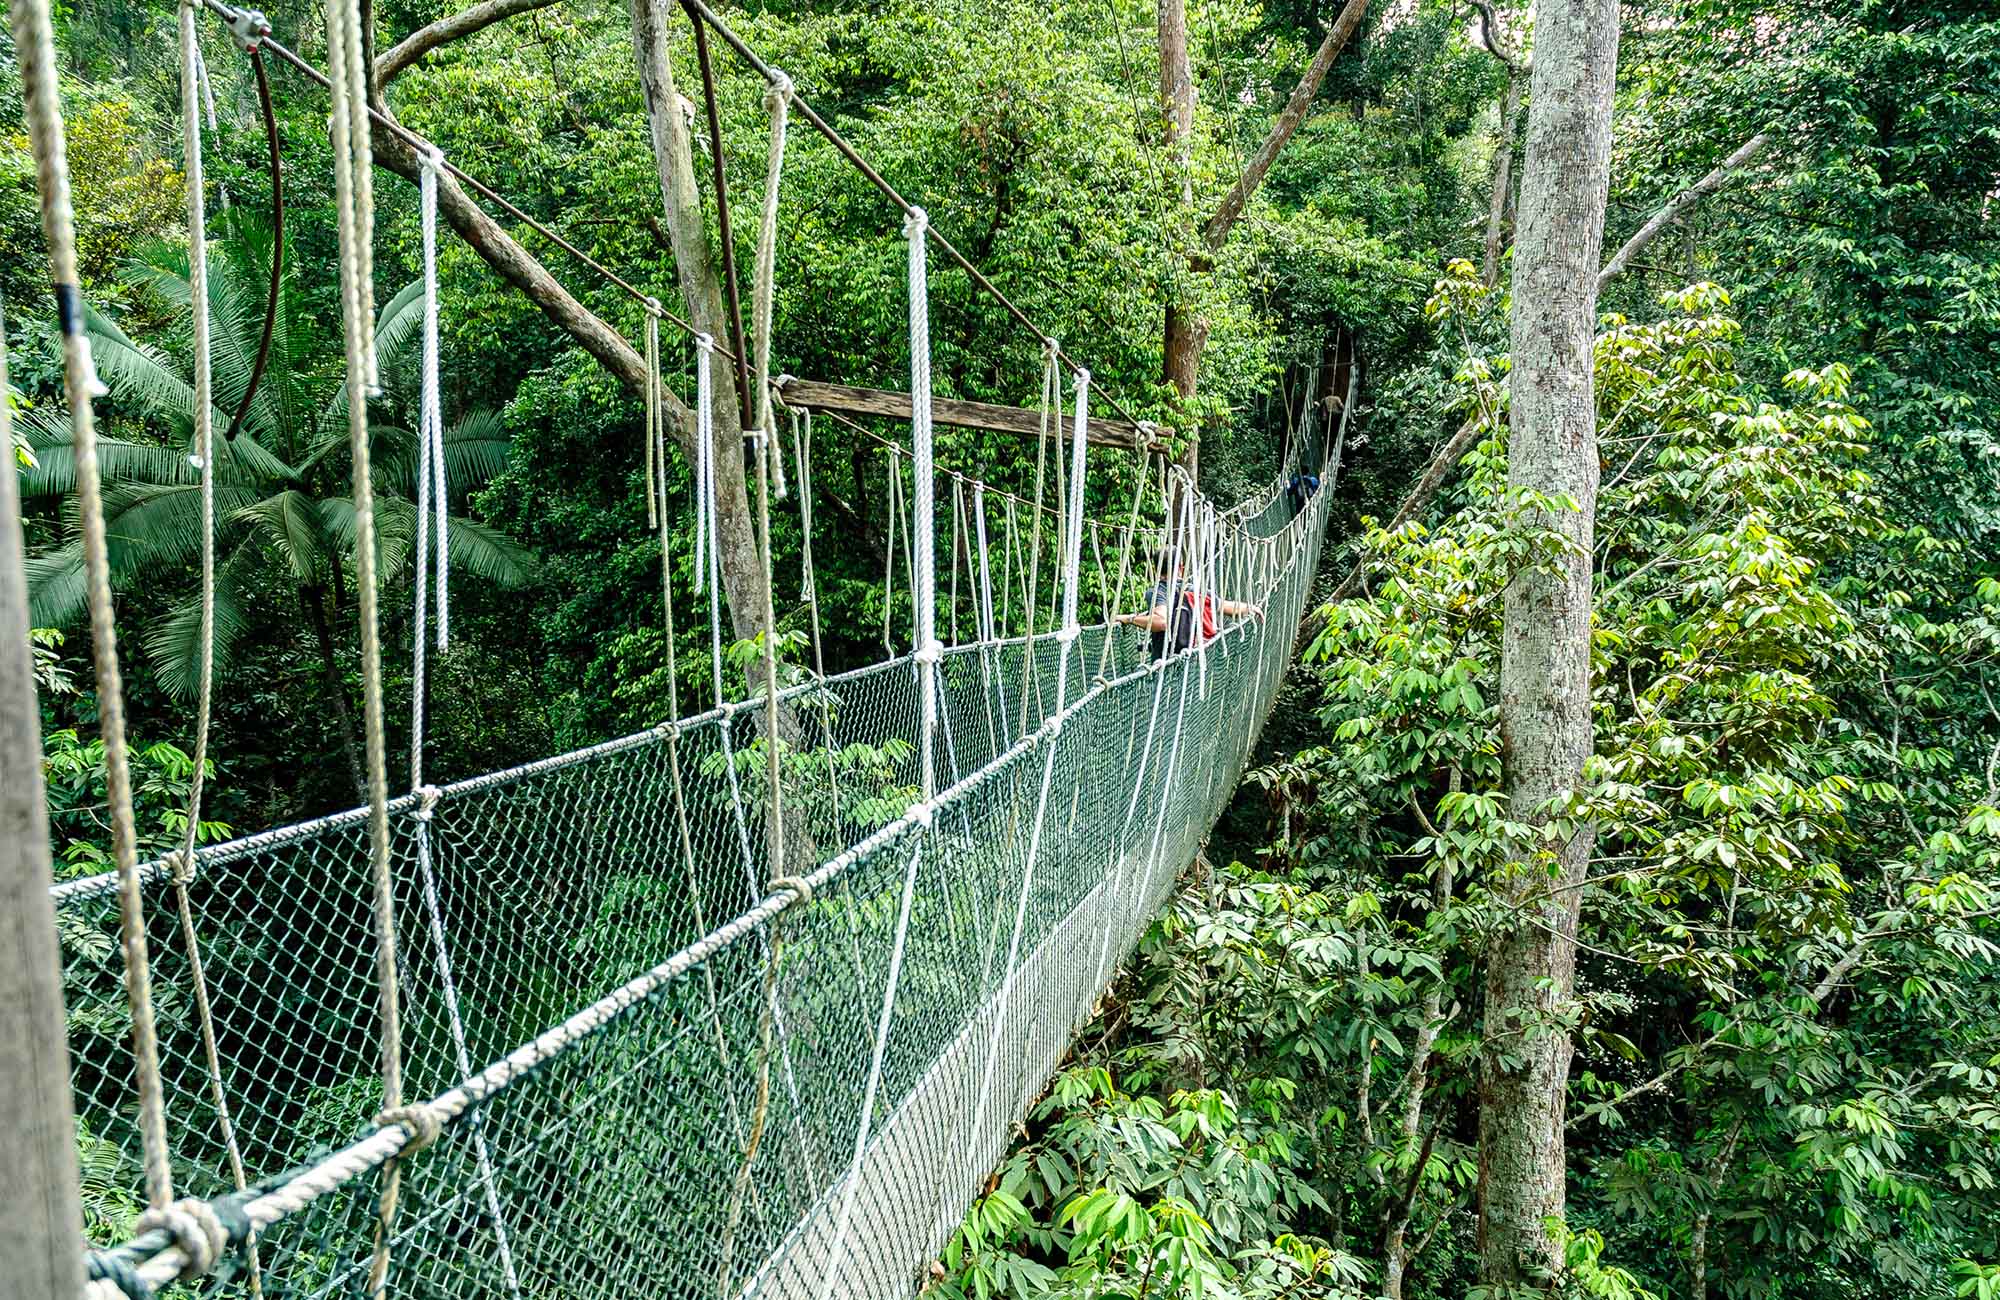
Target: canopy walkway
{"points": [[748, 1003], [944, 958]]}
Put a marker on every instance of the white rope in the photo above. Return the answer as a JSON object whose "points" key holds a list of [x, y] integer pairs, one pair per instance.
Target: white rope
{"points": [[433, 502], [704, 464], [924, 469], [778, 99]]}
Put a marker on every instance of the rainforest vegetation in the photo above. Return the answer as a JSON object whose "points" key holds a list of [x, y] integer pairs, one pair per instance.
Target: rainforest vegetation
{"points": [[1613, 905]]}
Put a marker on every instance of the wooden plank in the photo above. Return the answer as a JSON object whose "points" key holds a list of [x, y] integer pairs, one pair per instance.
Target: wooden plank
{"points": [[1018, 420]]}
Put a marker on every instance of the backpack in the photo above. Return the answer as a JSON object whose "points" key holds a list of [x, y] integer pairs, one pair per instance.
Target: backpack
{"points": [[1184, 620]]}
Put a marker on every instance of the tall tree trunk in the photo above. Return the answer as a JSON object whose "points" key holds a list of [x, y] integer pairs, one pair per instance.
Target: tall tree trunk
{"points": [[1177, 93], [743, 578], [313, 601], [1500, 206], [1545, 724]]}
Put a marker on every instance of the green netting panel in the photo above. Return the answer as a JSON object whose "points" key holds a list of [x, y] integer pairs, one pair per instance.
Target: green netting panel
{"points": [[618, 1164]]}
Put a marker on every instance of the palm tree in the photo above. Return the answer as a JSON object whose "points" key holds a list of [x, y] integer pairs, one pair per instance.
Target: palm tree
{"points": [[284, 517]]}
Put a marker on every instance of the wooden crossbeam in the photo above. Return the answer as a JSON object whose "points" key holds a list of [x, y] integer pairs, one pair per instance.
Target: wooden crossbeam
{"points": [[847, 400]]}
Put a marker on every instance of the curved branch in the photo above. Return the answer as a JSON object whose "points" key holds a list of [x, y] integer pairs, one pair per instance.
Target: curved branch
{"points": [[1677, 206], [411, 50], [1288, 121]]}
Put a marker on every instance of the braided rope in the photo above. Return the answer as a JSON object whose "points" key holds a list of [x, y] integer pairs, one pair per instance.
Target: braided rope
{"points": [[778, 100], [34, 41], [194, 78]]}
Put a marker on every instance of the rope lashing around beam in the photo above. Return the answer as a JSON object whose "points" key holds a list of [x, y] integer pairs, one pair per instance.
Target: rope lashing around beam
{"points": [[192, 75], [34, 44]]}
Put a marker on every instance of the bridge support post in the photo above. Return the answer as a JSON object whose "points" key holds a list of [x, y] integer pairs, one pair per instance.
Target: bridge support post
{"points": [[41, 1228]]}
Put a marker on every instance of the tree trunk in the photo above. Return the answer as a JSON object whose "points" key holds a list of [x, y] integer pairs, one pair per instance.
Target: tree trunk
{"points": [[1186, 333], [1500, 206], [743, 578], [1177, 92], [311, 600], [1545, 724], [40, 1226]]}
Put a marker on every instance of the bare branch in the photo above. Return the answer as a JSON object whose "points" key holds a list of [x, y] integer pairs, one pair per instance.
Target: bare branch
{"points": [[1494, 37], [1232, 205], [412, 49], [1678, 206]]}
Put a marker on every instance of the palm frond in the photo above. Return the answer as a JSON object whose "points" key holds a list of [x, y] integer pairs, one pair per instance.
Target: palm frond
{"points": [[151, 527], [395, 531], [292, 524], [136, 372], [476, 449], [489, 553], [395, 326], [174, 643], [54, 472], [56, 586]]}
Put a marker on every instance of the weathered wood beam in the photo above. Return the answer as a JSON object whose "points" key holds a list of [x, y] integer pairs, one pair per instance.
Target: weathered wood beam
{"points": [[847, 400]]}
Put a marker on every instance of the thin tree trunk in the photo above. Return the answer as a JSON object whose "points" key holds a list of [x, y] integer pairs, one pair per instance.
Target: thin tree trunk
{"points": [[1416, 1084], [1177, 92], [743, 579], [1545, 723], [311, 600], [1185, 334], [40, 1225], [1500, 205]]}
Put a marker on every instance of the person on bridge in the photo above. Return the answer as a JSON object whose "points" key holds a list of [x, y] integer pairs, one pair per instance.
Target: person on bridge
{"points": [[1177, 614]]}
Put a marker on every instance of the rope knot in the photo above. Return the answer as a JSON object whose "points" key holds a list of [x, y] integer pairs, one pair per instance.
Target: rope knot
{"points": [[781, 90], [930, 652], [1069, 633], [180, 867], [705, 342], [654, 309], [431, 156], [799, 885], [195, 1230], [916, 223], [922, 814], [427, 802], [100, 1266], [420, 1124]]}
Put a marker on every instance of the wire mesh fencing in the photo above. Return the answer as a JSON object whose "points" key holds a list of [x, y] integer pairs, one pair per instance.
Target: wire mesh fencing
{"points": [[798, 1092]]}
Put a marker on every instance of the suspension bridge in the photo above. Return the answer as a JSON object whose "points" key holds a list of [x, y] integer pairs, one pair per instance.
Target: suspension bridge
{"points": [[746, 1004]]}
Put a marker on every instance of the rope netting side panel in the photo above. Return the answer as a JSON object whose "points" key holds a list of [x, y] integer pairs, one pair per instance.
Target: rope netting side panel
{"points": [[696, 1138]]}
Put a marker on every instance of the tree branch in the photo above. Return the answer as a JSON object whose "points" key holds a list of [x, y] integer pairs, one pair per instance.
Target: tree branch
{"points": [[1677, 206], [412, 49], [1231, 208], [1420, 495]]}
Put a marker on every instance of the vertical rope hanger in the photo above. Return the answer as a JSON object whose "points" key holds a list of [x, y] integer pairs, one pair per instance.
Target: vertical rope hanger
{"points": [[432, 505], [34, 41], [354, 202], [778, 100], [194, 80]]}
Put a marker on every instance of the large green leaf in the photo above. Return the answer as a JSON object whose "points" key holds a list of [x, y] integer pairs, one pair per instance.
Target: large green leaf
{"points": [[291, 523], [173, 645]]}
